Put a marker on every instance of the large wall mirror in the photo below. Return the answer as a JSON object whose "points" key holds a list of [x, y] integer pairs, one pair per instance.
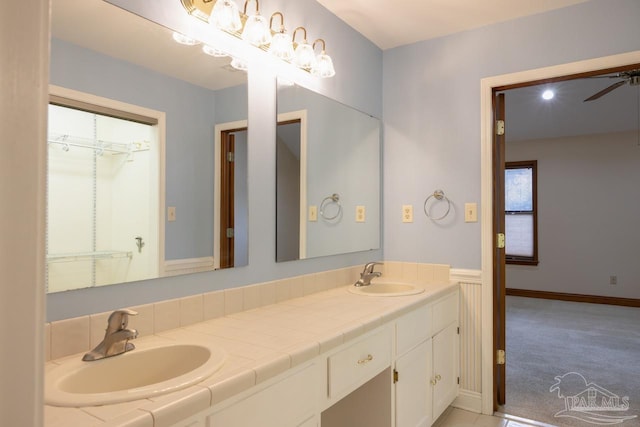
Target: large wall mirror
{"points": [[176, 193], [328, 176]]}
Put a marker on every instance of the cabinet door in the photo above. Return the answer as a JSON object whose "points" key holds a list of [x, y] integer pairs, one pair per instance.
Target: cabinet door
{"points": [[445, 369], [413, 391]]}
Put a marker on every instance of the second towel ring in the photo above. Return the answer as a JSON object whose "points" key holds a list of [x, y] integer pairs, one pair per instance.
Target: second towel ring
{"points": [[334, 198], [437, 195]]}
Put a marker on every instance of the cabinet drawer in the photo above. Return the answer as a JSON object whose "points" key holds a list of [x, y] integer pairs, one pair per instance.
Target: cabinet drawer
{"points": [[358, 363], [412, 329], [445, 311]]}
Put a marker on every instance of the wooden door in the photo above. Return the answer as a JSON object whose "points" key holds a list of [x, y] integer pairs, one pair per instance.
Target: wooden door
{"points": [[499, 338], [227, 185]]}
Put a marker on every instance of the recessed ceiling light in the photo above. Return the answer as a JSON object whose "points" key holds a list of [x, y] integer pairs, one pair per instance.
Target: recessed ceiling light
{"points": [[548, 94]]}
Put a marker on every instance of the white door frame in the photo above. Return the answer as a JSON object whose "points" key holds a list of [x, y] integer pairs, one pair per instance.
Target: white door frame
{"points": [[486, 140]]}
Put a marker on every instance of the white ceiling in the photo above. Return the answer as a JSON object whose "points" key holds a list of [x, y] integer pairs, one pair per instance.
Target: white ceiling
{"points": [[529, 117], [392, 23], [100, 26]]}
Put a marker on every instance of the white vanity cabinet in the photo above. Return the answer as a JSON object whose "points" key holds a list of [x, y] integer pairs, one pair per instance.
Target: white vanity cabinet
{"points": [[403, 373], [426, 367]]}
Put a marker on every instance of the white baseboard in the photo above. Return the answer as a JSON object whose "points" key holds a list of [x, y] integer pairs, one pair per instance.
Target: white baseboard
{"points": [[469, 401]]}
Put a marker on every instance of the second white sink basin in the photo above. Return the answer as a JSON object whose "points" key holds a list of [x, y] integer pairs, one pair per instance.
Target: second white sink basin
{"points": [[387, 289], [140, 373]]}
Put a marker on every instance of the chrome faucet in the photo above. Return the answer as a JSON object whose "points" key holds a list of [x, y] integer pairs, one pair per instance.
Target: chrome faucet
{"points": [[368, 274], [116, 337]]}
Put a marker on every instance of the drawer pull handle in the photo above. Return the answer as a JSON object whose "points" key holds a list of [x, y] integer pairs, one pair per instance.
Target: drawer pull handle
{"points": [[368, 359]]}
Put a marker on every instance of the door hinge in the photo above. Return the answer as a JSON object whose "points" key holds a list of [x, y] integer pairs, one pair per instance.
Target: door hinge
{"points": [[458, 330], [230, 233], [500, 240], [500, 357], [499, 127], [395, 376], [231, 157], [458, 380]]}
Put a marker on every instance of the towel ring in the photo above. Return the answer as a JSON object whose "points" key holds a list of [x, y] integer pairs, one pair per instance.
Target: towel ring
{"points": [[334, 198], [437, 195]]}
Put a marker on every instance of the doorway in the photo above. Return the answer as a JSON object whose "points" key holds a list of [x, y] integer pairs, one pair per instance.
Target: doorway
{"points": [[231, 189], [583, 156], [491, 259]]}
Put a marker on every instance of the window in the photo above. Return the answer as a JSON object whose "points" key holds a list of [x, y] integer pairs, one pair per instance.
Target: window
{"points": [[521, 218]]}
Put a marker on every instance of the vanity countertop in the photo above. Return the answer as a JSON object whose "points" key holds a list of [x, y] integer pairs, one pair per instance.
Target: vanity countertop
{"points": [[261, 343]]}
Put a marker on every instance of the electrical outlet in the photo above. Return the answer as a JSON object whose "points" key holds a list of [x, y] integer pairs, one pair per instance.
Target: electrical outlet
{"points": [[470, 212], [613, 280], [313, 213], [171, 213], [407, 213], [360, 213]]}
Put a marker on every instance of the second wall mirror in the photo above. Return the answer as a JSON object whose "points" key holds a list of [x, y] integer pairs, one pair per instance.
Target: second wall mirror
{"points": [[328, 176]]}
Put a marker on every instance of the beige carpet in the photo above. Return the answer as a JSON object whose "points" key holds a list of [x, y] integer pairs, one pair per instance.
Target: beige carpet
{"points": [[573, 364]]}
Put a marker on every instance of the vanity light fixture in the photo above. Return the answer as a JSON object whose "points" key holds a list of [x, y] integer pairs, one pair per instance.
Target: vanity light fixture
{"points": [[201, 9], [304, 56], [256, 30], [182, 39], [324, 65], [281, 43], [226, 16], [252, 28]]}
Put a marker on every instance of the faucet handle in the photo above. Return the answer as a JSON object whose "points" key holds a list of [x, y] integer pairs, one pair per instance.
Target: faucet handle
{"points": [[119, 319]]}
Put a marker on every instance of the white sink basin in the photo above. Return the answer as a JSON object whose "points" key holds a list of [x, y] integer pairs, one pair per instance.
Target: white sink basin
{"points": [[137, 374], [387, 289]]}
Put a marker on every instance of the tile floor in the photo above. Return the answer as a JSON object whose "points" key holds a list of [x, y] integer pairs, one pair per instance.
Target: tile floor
{"points": [[454, 417]]}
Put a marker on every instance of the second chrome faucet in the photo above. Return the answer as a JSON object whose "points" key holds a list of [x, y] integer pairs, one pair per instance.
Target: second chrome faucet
{"points": [[368, 274]]}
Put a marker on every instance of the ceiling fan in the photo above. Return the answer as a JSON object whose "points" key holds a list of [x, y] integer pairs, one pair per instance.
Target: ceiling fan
{"points": [[632, 77]]}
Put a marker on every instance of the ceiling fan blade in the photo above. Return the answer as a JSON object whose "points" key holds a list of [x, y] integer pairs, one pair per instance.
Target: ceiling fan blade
{"points": [[605, 91]]}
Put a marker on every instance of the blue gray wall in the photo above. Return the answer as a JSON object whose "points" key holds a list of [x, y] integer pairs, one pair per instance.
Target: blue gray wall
{"points": [[431, 114]]}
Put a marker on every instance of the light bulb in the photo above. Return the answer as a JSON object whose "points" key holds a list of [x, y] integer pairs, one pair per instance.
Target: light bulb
{"points": [[324, 66], [281, 46], [225, 16], [304, 56], [256, 30], [548, 94]]}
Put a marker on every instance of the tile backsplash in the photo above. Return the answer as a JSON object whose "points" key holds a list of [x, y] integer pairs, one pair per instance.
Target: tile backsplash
{"points": [[81, 334]]}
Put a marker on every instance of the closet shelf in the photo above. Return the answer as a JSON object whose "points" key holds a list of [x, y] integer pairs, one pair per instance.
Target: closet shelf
{"points": [[88, 256], [100, 146]]}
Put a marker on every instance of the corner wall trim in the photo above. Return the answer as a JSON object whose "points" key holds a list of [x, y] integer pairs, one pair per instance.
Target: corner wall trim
{"points": [[594, 299], [466, 276]]}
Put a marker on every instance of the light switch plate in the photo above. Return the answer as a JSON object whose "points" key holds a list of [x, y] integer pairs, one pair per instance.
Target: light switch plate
{"points": [[313, 213], [470, 212], [360, 213], [171, 213], [407, 213]]}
